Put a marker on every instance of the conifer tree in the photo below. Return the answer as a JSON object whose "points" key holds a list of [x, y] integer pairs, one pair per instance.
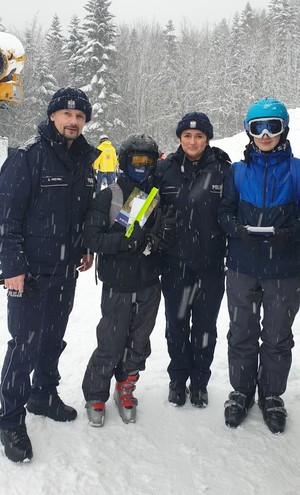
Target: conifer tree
{"points": [[98, 57], [57, 61], [72, 48]]}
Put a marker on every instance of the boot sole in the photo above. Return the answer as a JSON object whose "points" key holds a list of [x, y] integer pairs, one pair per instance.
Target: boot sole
{"points": [[97, 424]]}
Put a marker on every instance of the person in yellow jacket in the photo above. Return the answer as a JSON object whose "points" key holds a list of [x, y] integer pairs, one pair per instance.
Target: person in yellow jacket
{"points": [[106, 163]]}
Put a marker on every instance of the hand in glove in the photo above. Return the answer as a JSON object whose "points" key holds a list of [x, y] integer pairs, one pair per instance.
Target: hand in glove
{"points": [[163, 233], [132, 243], [281, 238], [251, 240], [167, 228]]}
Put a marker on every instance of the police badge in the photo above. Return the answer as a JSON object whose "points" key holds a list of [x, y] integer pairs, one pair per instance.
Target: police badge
{"points": [[71, 104]]}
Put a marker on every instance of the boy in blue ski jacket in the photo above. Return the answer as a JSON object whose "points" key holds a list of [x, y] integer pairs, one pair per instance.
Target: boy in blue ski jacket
{"points": [[260, 214]]}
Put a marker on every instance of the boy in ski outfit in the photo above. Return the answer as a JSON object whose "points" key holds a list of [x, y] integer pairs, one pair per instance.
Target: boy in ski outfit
{"points": [[263, 190], [193, 268], [131, 287], [45, 189]]}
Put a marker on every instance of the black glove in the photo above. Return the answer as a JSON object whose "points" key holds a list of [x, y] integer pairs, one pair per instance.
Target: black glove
{"points": [[162, 235], [167, 228], [137, 238], [31, 286], [251, 240], [281, 238]]}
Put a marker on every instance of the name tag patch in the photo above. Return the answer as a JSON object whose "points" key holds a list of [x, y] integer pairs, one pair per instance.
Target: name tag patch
{"points": [[53, 181]]}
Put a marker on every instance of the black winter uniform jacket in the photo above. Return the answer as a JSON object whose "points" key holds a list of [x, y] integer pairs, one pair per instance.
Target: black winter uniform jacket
{"points": [[195, 190], [118, 269], [45, 191]]}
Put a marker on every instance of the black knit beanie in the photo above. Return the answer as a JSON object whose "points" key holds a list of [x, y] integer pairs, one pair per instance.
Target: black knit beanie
{"points": [[72, 99], [195, 120]]}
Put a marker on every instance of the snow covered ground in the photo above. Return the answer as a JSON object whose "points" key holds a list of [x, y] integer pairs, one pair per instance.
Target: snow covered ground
{"points": [[168, 451]]}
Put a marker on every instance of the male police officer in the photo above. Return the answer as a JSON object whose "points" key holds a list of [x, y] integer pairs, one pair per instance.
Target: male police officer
{"points": [[45, 189]]}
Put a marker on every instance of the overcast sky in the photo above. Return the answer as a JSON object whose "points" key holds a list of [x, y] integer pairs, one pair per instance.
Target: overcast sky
{"points": [[19, 12]]}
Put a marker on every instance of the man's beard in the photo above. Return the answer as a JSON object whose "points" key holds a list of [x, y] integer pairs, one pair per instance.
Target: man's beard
{"points": [[66, 133]]}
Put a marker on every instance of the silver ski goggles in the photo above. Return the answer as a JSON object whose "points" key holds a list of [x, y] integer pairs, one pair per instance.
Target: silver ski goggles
{"points": [[258, 127]]}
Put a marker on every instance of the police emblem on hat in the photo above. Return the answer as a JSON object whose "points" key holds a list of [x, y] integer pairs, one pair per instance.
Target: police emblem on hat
{"points": [[71, 104], [193, 124]]}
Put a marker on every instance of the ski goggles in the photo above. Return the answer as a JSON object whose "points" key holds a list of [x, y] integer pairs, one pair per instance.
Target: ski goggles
{"points": [[258, 127], [139, 160]]}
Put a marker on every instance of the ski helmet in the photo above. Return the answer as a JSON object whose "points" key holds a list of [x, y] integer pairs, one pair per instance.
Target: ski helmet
{"points": [[138, 145], [102, 138], [268, 108]]}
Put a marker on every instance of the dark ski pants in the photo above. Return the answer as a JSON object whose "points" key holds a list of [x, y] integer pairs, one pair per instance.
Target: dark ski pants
{"points": [[260, 352], [192, 304], [37, 322], [123, 336]]}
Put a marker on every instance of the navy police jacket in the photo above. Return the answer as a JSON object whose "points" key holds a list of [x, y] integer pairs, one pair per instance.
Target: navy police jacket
{"points": [[264, 192], [45, 190], [195, 189]]}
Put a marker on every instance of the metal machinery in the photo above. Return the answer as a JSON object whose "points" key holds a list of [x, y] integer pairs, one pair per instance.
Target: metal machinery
{"points": [[12, 58]]}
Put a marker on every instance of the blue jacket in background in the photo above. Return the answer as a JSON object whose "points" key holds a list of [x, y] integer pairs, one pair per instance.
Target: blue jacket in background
{"points": [[45, 190], [263, 192]]}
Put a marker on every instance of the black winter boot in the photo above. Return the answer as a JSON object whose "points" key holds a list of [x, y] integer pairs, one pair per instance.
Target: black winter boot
{"points": [[274, 413], [17, 445], [198, 397], [51, 406], [236, 408], [177, 393]]}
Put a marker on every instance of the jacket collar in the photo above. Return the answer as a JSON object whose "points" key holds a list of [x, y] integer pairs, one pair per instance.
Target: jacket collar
{"points": [[70, 157], [281, 153]]}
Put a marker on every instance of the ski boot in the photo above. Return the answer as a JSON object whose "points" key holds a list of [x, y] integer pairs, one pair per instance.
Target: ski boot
{"points": [[125, 400], [95, 412], [236, 408], [274, 413]]}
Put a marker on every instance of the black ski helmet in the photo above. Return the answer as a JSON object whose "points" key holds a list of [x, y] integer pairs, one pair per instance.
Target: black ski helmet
{"points": [[137, 143]]}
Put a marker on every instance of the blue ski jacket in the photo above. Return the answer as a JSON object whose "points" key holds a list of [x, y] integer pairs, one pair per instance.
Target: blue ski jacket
{"points": [[45, 190], [263, 192]]}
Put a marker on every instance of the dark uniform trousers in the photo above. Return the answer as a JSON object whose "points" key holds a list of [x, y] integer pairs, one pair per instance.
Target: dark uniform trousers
{"points": [[260, 353], [127, 321], [192, 304], [37, 322]]}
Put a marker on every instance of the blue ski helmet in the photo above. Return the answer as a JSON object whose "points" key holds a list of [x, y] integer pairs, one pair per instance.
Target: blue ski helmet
{"points": [[267, 108]]}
